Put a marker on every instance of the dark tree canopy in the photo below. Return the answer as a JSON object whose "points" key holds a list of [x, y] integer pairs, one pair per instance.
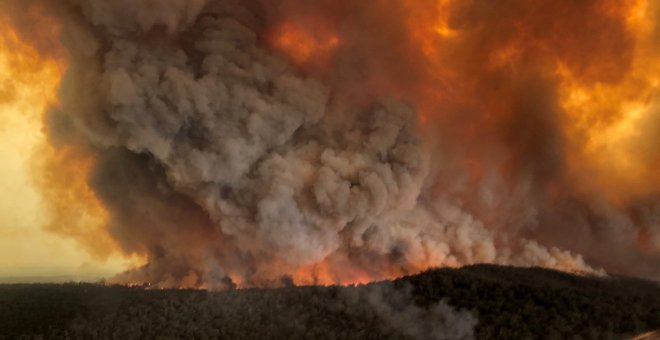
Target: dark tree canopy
{"points": [[509, 303]]}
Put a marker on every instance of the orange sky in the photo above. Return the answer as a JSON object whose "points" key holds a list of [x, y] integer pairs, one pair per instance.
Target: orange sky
{"points": [[27, 85]]}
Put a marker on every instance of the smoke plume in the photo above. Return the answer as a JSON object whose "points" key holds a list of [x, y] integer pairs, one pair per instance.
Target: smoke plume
{"points": [[254, 142]]}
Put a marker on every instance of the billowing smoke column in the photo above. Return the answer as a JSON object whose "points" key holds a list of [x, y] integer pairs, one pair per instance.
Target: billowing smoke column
{"points": [[258, 142]]}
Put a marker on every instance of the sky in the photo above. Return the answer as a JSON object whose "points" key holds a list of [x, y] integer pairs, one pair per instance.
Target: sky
{"points": [[27, 249]]}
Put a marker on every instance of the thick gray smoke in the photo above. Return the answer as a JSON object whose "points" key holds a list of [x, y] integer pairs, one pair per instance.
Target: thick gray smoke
{"points": [[226, 164]]}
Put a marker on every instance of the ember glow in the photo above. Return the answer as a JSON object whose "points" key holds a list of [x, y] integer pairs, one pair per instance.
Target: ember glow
{"points": [[257, 143]]}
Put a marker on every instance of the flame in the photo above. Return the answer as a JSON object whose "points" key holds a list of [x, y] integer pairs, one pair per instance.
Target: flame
{"points": [[327, 273], [339, 270]]}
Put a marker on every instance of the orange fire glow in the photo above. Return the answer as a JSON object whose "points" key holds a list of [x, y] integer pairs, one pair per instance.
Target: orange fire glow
{"points": [[606, 120], [303, 45], [74, 209], [325, 273], [30, 80], [342, 271]]}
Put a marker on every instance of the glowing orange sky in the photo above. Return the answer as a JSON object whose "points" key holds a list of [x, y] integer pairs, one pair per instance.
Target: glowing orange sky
{"points": [[28, 86]]}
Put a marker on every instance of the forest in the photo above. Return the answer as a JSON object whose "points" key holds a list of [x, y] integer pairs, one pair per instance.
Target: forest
{"points": [[481, 301]]}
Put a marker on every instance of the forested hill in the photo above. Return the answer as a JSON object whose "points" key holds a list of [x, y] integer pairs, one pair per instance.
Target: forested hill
{"points": [[540, 303], [482, 301]]}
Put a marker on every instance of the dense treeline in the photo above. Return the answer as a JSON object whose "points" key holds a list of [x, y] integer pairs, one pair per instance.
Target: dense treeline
{"points": [[509, 303], [87, 311], [515, 303]]}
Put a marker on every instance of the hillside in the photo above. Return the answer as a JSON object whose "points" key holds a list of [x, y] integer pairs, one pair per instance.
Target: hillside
{"points": [[482, 301]]}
